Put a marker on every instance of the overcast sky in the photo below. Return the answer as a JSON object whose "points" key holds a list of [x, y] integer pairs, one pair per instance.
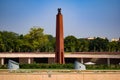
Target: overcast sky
{"points": [[82, 18]]}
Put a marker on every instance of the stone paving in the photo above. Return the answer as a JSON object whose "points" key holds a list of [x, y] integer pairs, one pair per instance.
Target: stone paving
{"points": [[89, 75]]}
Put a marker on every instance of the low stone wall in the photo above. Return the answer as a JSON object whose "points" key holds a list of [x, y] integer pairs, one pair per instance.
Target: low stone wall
{"points": [[95, 75]]}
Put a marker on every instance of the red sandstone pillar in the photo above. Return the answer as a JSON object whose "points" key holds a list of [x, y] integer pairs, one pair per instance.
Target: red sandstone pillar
{"points": [[59, 52]]}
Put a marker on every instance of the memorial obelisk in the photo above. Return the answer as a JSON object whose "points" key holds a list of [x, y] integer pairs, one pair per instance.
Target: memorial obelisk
{"points": [[59, 51]]}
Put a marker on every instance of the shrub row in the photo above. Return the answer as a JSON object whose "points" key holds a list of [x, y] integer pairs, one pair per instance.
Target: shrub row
{"points": [[112, 66], [46, 66], [3, 66], [62, 66], [66, 66]]}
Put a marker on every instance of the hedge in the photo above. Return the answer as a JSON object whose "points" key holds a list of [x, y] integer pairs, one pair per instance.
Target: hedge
{"points": [[46, 66], [112, 66], [66, 66], [63, 66]]}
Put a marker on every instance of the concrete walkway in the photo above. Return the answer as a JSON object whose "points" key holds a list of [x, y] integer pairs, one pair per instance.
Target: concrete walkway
{"points": [[87, 75]]}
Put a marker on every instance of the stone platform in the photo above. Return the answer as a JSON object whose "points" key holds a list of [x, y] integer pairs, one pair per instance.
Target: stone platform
{"points": [[61, 75]]}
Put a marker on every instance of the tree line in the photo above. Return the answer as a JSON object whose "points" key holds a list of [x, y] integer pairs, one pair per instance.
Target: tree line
{"points": [[37, 41]]}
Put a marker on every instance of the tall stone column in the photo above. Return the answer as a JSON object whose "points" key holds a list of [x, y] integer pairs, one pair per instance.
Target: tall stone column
{"points": [[59, 53]]}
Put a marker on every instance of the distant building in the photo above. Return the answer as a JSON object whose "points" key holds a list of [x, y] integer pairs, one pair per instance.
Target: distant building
{"points": [[114, 39], [47, 57], [91, 38], [102, 37]]}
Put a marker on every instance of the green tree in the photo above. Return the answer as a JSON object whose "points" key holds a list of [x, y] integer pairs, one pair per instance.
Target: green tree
{"points": [[2, 46], [9, 39], [50, 47], [113, 46], [118, 46], [84, 45], [37, 39], [70, 43], [98, 44]]}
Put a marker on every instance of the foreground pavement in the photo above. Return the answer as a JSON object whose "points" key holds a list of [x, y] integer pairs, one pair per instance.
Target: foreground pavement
{"points": [[60, 75]]}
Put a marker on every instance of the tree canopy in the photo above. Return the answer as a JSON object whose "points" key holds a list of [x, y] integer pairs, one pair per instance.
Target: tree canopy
{"points": [[37, 41]]}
